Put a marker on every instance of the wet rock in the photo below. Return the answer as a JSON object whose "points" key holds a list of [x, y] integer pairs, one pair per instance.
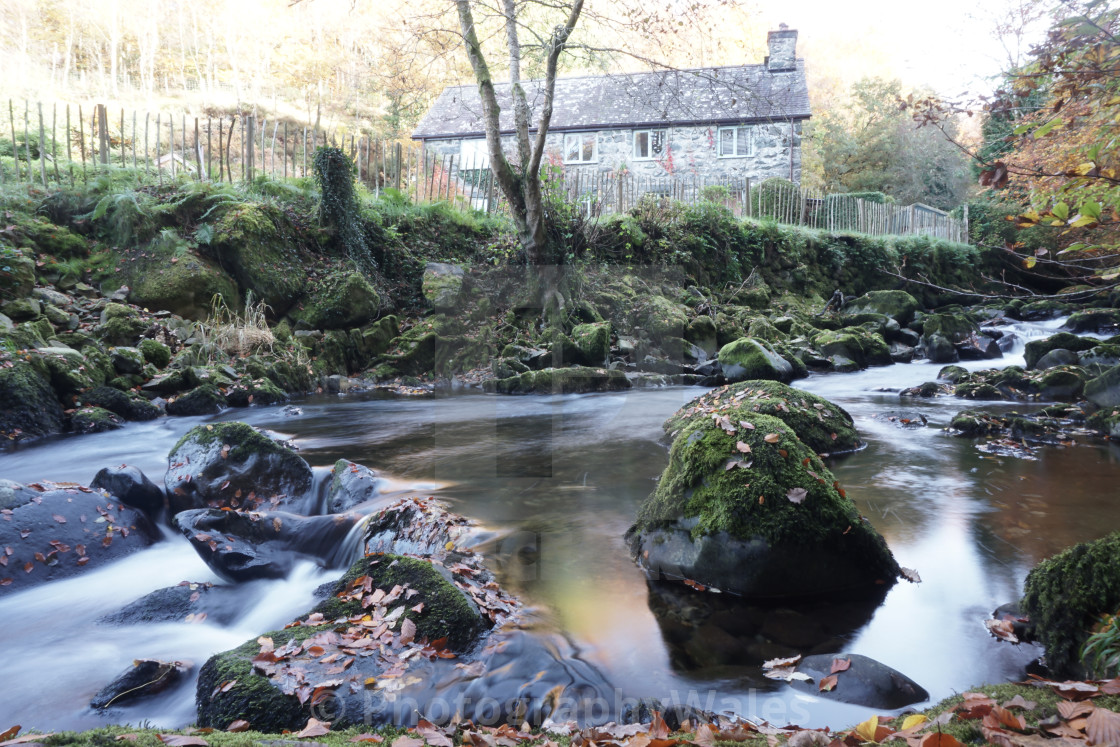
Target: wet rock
{"points": [[352, 485], [146, 677], [127, 405], [94, 420], [561, 381], [131, 486], [1040, 311], [953, 374], [127, 360], [1061, 383], [938, 349], [1036, 349], [901, 353], [747, 507], [60, 531], [928, 389], [260, 392], [979, 347], [202, 400], [345, 300], [866, 682], [243, 546], [187, 602], [416, 526], [841, 364], [701, 332], [1097, 360], [234, 465], [749, 359], [855, 344], [120, 325], [28, 406], [1057, 357], [1098, 321], [19, 280], [1104, 390]]}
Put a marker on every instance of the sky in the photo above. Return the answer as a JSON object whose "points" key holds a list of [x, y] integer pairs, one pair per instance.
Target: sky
{"points": [[949, 45]]}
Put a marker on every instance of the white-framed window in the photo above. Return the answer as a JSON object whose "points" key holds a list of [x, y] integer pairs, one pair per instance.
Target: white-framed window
{"points": [[473, 154], [650, 144], [581, 147], [733, 142]]}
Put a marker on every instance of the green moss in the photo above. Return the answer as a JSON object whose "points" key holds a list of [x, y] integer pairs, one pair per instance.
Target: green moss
{"points": [[661, 317], [561, 381], [897, 304], [814, 419], [447, 611], [341, 301], [751, 502], [1035, 349], [762, 329], [856, 344], [94, 420], [953, 327], [1066, 594], [155, 352], [244, 440], [184, 286], [258, 245], [749, 359], [253, 697], [28, 406]]}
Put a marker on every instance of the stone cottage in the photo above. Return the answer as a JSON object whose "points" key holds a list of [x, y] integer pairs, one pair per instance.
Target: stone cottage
{"points": [[704, 124]]}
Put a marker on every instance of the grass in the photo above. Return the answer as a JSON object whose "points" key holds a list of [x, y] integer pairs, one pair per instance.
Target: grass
{"points": [[238, 334]]}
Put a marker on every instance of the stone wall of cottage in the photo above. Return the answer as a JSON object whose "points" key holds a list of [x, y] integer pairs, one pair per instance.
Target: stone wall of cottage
{"points": [[692, 154]]}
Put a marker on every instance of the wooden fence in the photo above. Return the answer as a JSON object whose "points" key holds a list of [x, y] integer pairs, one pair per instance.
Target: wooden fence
{"points": [[62, 145]]}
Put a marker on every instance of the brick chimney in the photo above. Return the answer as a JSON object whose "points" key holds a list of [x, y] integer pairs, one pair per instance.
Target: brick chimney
{"points": [[783, 49]]}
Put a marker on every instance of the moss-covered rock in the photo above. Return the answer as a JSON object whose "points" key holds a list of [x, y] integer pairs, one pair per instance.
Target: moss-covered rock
{"points": [[748, 359], [155, 352], [223, 462], [255, 242], [447, 611], [66, 369], [953, 327], [22, 309], [855, 344], [754, 511], [127, 405], [341, 301], [94, 420], [17, 276], [897, 304], [701, 332], [120, 325], [762, 329], [1104, 390], [1098, 321], [575, 380], [28, 406], [205, 399], [1065, 595], [179, 281], [1036, 349], [592, 342], [127, 360], [822, 425], [441, 285], [255, 392], [661, 317]]}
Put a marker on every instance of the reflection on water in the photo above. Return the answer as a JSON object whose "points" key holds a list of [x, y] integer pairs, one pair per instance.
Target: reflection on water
{"points": [[561, 478]]}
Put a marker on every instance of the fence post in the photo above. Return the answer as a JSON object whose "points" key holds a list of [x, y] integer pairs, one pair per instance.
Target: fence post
{"points": [[197, 150], [42, 144], [397, 153], [103, 134]]}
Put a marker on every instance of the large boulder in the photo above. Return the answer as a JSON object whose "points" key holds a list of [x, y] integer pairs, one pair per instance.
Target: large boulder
{"points": [[898, 305], [855, 344], [343, 301], [747, 507], [128, 405], [1065, 595], [1104, 390], [145, 678], [236, 466], [18, 278], [749, 359], [247, 545], [132, 487], [186, 602], [592, 343], [28, 405], [1035, 350], [823, 426], [1098, 321], [56, 532], [864, 681], [182, 283], [254, 243]]}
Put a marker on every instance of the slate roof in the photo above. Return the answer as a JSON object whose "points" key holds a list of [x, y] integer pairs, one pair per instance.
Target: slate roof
{"points": [[700, 96]]}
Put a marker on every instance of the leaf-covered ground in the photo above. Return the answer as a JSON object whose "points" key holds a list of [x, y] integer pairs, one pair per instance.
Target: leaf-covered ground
{"points": [[1039, 713]]}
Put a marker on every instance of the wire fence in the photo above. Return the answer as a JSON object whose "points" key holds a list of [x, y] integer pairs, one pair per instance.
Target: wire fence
{"points": [[66, 144]]}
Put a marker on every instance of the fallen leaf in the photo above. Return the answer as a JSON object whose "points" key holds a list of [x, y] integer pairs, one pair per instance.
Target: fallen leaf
{"points": [[431, 734], [1020, 702], [1070, 709], [797, 495], [1002, 629], [1103, 727], [910, 575], [4, 736], [867, 729], [940, 739], [238, 725], [914, 719], [828, 683], [404, 741], [25, 738], [314, 728], [182, 740], [375, 738], [789, 662], [772, 438], [130, 737], [59, 518], [743, 446], [408, 632], [840, 665]]}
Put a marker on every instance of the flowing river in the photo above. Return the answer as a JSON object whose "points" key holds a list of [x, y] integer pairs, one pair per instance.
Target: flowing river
{"points": [[561, 477]]}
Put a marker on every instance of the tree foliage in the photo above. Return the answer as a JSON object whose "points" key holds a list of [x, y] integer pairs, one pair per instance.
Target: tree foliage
{"points": [[869, 144]]}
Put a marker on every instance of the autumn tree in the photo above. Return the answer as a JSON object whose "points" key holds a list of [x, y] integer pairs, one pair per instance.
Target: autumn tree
{"points": [[1050, 136]]}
